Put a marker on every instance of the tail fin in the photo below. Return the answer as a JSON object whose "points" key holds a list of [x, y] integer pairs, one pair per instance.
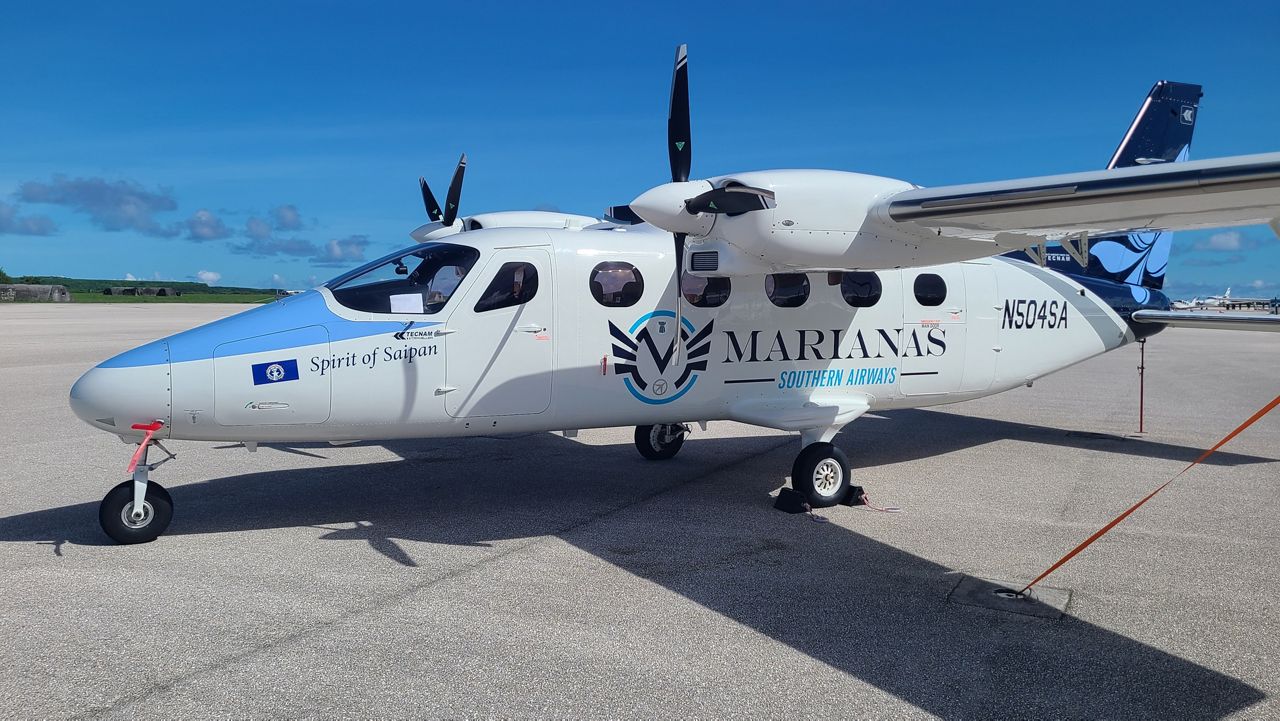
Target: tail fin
{"points": [[1160, 133]]}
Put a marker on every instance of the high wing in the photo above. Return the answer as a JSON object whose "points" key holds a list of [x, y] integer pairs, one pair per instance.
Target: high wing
{"points": [[1241, 190]]}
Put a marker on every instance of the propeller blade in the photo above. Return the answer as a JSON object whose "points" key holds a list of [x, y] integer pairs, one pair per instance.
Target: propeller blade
{"points": [[455, 192], [678, 144], [429, 201], [731, 199]]}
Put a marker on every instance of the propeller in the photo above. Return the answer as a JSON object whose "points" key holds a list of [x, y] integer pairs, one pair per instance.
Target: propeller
{"points": [[429, 201], [455, 192], [679, 148], [683, 207], [451, 198], [680, 153]]}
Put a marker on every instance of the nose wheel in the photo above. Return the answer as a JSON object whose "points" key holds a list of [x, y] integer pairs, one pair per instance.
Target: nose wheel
{"points": [[821, 475], [125, 522], [662, 441]]}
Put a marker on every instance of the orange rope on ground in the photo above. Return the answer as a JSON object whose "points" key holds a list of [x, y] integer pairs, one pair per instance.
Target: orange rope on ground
{"points": [[1116, 521]]}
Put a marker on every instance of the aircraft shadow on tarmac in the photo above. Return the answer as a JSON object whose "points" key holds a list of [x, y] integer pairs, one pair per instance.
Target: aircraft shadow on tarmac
{"points": [[866, 608]]}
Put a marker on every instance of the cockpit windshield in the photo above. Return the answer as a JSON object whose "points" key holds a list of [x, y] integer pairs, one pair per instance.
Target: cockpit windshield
{"points": [[419, 280]]}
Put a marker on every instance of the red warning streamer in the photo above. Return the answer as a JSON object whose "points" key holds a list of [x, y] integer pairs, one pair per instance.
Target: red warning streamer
{"points": [[1116, 521]]}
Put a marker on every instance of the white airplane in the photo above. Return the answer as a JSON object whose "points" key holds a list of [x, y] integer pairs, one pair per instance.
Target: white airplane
{"points": [[1186, 304], [812, 297], [1215, 301]]}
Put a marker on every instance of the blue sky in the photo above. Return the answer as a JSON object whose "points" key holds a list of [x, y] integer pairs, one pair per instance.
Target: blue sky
{"points": [[273, 143]]}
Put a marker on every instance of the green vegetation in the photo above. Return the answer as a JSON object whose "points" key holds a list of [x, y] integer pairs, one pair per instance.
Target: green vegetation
{"points": [[88, 290], [255, 297]]}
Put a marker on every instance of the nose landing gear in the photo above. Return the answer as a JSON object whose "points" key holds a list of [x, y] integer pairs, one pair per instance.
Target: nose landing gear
{"points": [[138, 510]]}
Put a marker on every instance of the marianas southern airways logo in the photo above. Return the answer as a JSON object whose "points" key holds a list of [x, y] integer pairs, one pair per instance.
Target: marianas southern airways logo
{"points": [[649, 372]]}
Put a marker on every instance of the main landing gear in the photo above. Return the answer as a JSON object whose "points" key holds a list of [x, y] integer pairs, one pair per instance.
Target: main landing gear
{"points": [[138, 510], [660, 442], [821, 475]]}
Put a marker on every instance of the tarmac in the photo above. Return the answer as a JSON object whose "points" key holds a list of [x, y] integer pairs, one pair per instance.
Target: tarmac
{"points": [[541, 576]]}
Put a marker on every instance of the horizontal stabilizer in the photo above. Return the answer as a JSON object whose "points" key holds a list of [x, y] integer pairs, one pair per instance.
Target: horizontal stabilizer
{"points": [[1216, 321]]}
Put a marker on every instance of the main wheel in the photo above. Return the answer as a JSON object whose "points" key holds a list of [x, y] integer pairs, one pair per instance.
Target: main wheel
{"points": [[115, 513], [660, 442], [821, 473]]}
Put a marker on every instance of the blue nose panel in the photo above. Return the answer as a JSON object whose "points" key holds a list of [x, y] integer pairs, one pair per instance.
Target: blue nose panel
{"points": [[267, 380]]}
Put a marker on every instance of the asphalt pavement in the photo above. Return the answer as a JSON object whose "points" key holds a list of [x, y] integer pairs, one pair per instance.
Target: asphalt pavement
{"points": [[542, 576]]}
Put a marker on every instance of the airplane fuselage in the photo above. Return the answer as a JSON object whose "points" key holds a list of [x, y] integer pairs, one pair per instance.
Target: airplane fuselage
{"points": [[311, 368]]}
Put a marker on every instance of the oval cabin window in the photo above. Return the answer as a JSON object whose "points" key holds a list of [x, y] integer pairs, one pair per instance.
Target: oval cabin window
{"points": [[615, 284], [787, 290], [930, 289]]}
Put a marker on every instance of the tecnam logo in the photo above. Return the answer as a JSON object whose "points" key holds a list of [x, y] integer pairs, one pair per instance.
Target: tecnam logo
{"points": [[643, 356]]}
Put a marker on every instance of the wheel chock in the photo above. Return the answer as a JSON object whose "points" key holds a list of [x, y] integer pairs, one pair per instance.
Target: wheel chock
{"points": [[855, 497], [791, 501]]}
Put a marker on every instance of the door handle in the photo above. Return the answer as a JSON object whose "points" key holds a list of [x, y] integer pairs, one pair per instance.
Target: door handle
{"points": [[530, 328]]}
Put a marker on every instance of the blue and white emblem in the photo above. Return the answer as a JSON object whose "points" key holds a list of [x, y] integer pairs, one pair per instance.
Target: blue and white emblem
{"points": [[275, 372], [649, 373]]}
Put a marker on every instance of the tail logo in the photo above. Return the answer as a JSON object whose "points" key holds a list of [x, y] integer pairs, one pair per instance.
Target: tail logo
{"points": [[1188, 115]]}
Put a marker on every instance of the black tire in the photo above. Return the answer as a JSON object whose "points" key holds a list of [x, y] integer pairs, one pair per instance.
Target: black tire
{"points": [[651, 444], [821, 474], [119, 501]]}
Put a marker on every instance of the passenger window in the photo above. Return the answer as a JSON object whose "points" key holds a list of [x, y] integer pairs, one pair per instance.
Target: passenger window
{"points": [[417, 281], [615, 284], [705, 292], [787, 290], [930, 289], [860, 290], [515, 284]]}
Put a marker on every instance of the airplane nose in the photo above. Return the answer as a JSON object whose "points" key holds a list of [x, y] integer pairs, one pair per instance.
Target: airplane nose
{"points": [[131, 388]]}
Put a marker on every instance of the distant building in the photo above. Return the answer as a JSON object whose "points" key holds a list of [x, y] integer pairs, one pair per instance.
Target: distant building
{"points": [[28, 293], [134, 290]]}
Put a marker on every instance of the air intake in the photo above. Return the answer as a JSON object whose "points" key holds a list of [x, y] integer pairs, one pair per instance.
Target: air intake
{"points": [[706, 261]]}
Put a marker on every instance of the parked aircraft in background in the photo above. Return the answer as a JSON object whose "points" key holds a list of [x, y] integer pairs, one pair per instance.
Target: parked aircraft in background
{"points": [[792, 299]]}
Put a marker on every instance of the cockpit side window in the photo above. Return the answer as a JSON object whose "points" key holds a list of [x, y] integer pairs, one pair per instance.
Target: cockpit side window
{"points": [[515, 284], [418, 281], [616, 284]]}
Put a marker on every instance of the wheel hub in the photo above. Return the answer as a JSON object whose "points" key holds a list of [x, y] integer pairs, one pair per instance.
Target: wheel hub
{"points": [[127, 516], [827, 477]]}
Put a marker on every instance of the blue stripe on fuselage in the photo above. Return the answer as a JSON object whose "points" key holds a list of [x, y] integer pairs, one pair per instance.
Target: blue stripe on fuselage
{"points": [[263, 324]]}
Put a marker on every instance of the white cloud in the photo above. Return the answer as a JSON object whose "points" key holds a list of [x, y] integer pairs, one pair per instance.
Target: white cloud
{"points": [[286, 217], [278, 281], [111, 205], [130, 276], [12, 223], [257, 229], [1230, 240], [208, 277], [1257, 284], [204, 225], [343, 251]]}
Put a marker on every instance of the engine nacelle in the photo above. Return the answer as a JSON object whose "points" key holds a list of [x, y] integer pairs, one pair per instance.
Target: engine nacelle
{"points": [[822, 220]]}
